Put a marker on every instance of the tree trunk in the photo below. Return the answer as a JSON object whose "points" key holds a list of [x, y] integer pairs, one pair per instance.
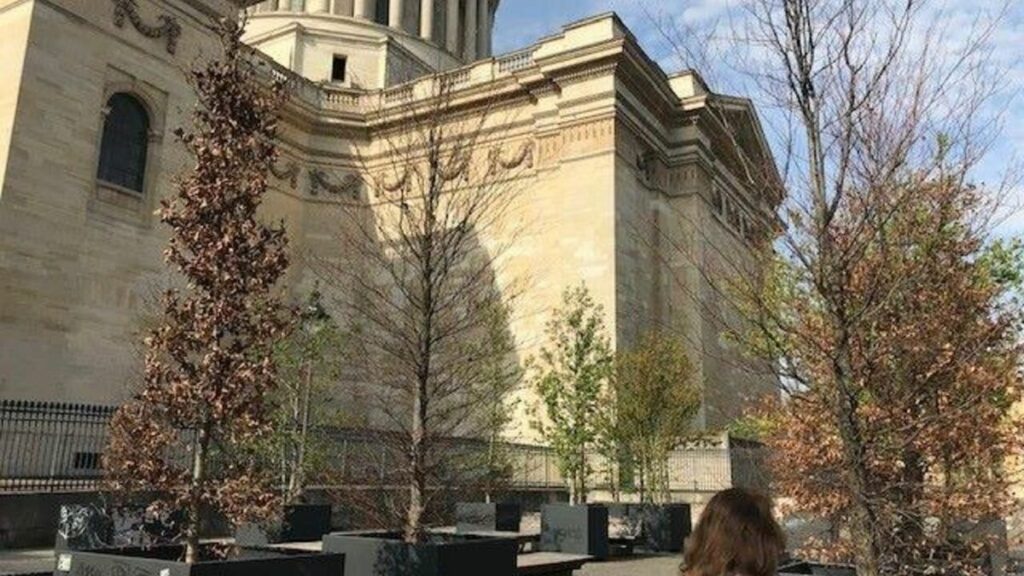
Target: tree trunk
{"points": [[297, 480], [583, 477], [199, 454], [863, 521], [417, 484], [643, 477], [490, 467]]}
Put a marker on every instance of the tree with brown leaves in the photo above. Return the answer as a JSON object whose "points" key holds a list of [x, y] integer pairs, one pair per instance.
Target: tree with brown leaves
{"points": [[209, 364], [882, 302]]}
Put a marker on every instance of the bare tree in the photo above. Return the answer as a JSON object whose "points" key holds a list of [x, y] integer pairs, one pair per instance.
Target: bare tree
{"points": [[881, 125], [423, 277]]}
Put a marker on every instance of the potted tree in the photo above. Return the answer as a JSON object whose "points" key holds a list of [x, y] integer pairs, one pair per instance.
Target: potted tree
{"points": [[571, 377], [425, 299], [309, 369], [209, 364], [655, 398], [501, 376]]}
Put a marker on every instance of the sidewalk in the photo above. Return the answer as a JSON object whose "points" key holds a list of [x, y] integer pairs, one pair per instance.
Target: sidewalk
{"points": [[38, 561]]}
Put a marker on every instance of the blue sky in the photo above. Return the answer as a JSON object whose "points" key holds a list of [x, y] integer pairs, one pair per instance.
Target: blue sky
{"points": [[519, 23]]}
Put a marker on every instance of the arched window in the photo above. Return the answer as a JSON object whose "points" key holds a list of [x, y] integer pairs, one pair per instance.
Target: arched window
{"points": [[125, 143]]}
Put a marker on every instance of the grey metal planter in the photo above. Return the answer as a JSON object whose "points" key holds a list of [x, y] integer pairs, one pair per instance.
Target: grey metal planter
{"points": [[487, 517], [300, 523], [164, 561], [817, 569], [385, 554], [575, 529], [92, 526], [654, 527]]}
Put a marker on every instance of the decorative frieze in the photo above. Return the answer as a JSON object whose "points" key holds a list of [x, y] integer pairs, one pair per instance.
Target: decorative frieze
{"points": [[399, 183], [168, 26], [349, 186], [455, 169], [289, 172], [523, 158]]}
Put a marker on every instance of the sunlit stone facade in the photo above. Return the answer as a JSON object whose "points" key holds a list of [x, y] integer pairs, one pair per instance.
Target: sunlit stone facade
{"points": [[628, 182]]}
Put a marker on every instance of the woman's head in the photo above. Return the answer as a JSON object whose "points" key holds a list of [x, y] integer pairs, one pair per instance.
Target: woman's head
{"points": [[736, 535]]}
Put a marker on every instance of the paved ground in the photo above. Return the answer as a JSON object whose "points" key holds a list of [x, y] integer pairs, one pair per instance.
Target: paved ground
{"points": [[636, 566], [35, 561], [25, 561]]}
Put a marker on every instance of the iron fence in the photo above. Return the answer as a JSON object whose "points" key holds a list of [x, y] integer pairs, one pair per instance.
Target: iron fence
{"points": [[51, 447], [55, 447]]}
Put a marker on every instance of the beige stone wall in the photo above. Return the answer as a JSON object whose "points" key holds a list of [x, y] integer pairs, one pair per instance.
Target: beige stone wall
{"points": [[79, 262], [609, 177], [15, 21], [377, 56]]}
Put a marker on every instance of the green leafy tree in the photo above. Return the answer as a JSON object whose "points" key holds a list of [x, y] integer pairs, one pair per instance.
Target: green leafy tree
{"points": [[656, 398], [572, 374], [309, 370], [500, 376]]}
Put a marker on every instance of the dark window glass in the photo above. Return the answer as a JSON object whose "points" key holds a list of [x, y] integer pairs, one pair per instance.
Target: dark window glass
{"points": [[125, 141], [383, 11], [338, 69]]}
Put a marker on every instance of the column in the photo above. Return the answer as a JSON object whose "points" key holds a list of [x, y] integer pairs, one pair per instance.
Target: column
{"points": [[484, 33], [313, 6], [365, 9], [396, 14], [470, 31], [452, 27], [427, 19]]}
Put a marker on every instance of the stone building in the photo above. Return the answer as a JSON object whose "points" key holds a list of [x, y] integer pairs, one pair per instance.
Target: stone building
{"points": [[617, 157]]}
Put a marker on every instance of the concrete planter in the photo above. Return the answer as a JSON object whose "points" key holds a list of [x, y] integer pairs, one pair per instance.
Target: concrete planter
{"points": [[817, 569], [164, 561], [300, 523], [385, 554], [654, 527], [483, 517], [575, 529]]}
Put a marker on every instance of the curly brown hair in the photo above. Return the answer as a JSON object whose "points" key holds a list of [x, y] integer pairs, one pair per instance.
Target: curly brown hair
{"points": [[736, 535]]}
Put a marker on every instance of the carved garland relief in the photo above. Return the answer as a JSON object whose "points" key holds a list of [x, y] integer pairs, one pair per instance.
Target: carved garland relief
{"points": [[349, 185], [168, 26], [289, 172]]}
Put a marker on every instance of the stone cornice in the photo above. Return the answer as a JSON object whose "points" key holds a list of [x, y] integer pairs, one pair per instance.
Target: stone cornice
{"points": [[594, 48]]}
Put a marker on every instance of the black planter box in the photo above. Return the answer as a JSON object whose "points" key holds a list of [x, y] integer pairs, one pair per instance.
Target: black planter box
{"points": [[164, 561], [575, 529], [300, 523], [91, 527], [385, 554], [483, 517], [818, 569], [654, 527]]}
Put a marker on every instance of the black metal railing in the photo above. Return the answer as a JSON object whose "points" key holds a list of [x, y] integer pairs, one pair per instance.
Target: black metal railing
{"points": [[55, 447], [51, 447]]}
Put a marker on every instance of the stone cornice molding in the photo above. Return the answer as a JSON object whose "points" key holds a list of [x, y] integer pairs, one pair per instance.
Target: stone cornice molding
{"points": [[168, 26]]}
